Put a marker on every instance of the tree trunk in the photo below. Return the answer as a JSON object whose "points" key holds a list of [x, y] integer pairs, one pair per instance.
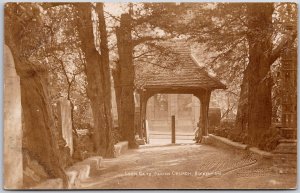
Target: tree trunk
{"points": [[41, 139], [127, 108], [241, 123], [260, 81], [106, 75], [97, 90], [76, 151]]}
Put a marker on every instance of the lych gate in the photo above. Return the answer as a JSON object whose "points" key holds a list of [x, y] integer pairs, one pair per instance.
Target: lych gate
{"points": [[189, 78]]}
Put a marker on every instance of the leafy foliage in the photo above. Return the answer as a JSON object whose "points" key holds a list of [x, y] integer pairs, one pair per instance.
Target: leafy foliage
{"points": [[218, 32], [221, 30]]}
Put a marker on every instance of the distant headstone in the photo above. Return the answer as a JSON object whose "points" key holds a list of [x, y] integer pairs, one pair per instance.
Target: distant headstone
{"points": [[65, 121], [13, 161], [90, 117]]}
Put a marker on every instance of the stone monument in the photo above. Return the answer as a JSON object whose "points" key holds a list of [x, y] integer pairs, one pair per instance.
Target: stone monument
{"points": [[65, 122], [13, 160]]}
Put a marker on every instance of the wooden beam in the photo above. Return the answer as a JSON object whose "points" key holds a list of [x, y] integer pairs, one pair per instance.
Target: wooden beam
{"points": [[204, 100], [173, 129], [174, 91], [144, 96]]}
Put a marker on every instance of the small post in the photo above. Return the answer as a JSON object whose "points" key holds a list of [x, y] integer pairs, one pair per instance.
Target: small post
{"points": [[173, 129]]}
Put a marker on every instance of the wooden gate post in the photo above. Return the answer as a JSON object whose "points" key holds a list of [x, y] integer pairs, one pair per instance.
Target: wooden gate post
{"points": [[173, 129]]}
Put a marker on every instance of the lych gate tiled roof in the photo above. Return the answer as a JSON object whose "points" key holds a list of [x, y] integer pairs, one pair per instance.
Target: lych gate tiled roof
{"points": [[189, 73]]}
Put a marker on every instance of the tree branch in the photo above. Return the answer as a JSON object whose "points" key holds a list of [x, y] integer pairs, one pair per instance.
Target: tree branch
{"points": [[277, 51], [145, 39], [155, 64], [50, 5], [112, 16], [146, 54], [227, 111]]}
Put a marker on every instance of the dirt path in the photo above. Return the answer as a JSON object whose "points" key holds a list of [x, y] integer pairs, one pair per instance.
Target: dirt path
{"points": [[184, 167]]}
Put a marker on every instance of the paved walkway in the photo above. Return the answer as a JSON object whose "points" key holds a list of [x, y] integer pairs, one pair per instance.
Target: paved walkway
{"points": [[185, 166]]}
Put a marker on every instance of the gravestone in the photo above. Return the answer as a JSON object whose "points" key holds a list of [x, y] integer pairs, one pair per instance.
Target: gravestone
{"points": [[65, 122], [90, 116], [13, 167]]}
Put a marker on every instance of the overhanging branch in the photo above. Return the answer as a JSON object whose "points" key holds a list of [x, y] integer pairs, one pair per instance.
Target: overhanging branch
{"points": [[277, 51], [145, 39]]}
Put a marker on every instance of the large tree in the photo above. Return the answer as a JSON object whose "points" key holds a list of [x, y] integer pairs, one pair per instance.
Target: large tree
{"points": [[243, 41], [124, 76], [259, 37], [24, 32], [136, 45], [98, 75]]}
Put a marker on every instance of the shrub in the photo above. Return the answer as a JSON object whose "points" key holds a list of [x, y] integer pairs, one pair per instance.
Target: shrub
{"points": [[270, 139]]}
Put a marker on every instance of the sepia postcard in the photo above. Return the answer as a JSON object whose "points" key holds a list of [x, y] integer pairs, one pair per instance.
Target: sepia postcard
{"points": [[168, 95]]}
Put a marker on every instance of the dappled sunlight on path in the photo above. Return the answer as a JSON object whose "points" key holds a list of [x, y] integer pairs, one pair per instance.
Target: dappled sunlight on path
{"points": [[185, 166]]}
